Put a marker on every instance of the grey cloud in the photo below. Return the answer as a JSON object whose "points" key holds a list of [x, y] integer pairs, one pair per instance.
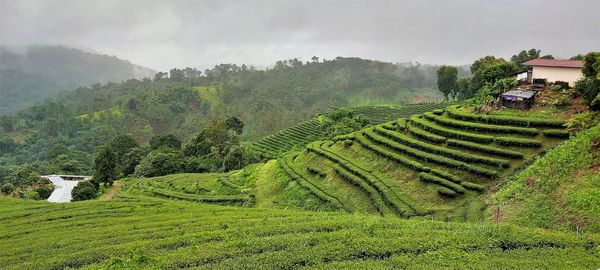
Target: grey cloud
{"points": [[165, 34]]}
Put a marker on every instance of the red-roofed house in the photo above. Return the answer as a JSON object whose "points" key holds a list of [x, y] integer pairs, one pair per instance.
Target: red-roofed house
{"points": [[556, 70]]}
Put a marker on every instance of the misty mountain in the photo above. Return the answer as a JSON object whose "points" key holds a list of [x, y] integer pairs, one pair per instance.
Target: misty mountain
{"points": [[30, 74]]}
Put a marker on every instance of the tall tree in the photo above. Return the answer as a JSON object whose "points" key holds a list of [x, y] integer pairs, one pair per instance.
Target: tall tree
{"points": [[525, 56], [169, 140], [446, 80], [235, 124], [105, 165]]}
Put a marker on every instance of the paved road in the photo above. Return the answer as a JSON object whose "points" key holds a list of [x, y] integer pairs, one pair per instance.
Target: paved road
{"points": [[62, 190]]}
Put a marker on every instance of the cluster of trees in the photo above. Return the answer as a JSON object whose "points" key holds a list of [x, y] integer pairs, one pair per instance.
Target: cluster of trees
{"points": [[589, 85], [490, 76], [214, 149], [341, 121]]}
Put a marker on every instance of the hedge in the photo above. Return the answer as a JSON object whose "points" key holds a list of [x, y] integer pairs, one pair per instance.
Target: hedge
{"points": [[432, 127], [402, 208], [446, 175], [438, 111], [426, 177], [431, 157], [229, 199], [415, 165], [418, 132], [512, 141], [446, 192], [454, 154], [556, 133], [360, 183], [472, 186], [483, 127], [455, 112], [316, 171], [309, 185], [485, 148]]}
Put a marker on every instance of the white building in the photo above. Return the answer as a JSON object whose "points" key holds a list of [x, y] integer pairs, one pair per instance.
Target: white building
{"points": [[556, 70]]}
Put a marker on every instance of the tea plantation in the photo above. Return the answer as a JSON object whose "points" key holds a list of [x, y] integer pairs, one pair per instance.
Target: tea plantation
{"points": [[422, 191], [133, 232], [298, 136]]}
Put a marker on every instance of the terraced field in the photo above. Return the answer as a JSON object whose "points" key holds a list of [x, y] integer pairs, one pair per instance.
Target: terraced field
{"points": [[133, 232], [218, 188], [384, 113], [300, 135], [439, 163], [288, 139]]}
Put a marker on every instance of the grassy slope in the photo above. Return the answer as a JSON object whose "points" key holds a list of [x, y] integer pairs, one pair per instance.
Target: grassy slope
{"points": [[133, 233], [272, 187], [559, 190]]}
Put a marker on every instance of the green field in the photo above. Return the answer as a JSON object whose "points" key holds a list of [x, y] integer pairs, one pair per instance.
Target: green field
{"points": [[140, 233]]}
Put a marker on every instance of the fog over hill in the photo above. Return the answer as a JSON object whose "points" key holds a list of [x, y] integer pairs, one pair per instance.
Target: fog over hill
{"points": [[31, 73]]}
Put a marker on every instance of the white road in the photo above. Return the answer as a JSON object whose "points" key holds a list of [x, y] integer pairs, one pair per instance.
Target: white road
{"points": [[62, 190]]}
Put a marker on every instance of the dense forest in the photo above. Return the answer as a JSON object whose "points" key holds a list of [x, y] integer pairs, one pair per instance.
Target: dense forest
{"points": [[61, 134], [30, 74]]}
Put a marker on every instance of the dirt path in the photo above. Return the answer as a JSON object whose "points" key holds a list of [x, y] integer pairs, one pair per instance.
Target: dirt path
{"points": [[112, 192]]}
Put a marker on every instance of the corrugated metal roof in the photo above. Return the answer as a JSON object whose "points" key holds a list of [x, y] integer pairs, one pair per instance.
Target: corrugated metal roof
{"points": [[554, 63], [519, 93]]}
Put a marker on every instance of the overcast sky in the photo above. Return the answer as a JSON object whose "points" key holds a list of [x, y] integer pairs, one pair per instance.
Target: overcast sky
{"points": [[166, 34]]}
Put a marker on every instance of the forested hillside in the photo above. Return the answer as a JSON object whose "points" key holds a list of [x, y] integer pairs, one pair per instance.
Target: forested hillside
{"points": [[30, 74], [61, 134]]}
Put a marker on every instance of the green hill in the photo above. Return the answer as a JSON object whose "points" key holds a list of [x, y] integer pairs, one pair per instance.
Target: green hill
{"points": [[30, 74], [132, 232], [343, 203], [442, 164], [560, 190], [185, 101]]}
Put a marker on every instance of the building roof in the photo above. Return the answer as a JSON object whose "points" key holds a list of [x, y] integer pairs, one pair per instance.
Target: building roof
{"points": [[519, 93], [554, 63]]}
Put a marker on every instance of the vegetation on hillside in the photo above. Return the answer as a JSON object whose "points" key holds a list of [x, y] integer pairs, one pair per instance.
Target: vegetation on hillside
{"points": [[560, 190], [61, 136], [42, 71]]}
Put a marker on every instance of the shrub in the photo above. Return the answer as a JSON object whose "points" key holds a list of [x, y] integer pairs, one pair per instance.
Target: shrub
{"points": [[512, 141], [347, 142], [160, 162], [483, 127], [7, 188], [316, 171], [438, 111], [584, 121], [234, 159], [446, 175], [485, 148], [455, 112], [432, 127], [556, 133], [418, 132], [84, 191], [472, 186], [589, 89], [446, 192], [44, 191], [432, 157], [426, 177], [458, 155]]}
